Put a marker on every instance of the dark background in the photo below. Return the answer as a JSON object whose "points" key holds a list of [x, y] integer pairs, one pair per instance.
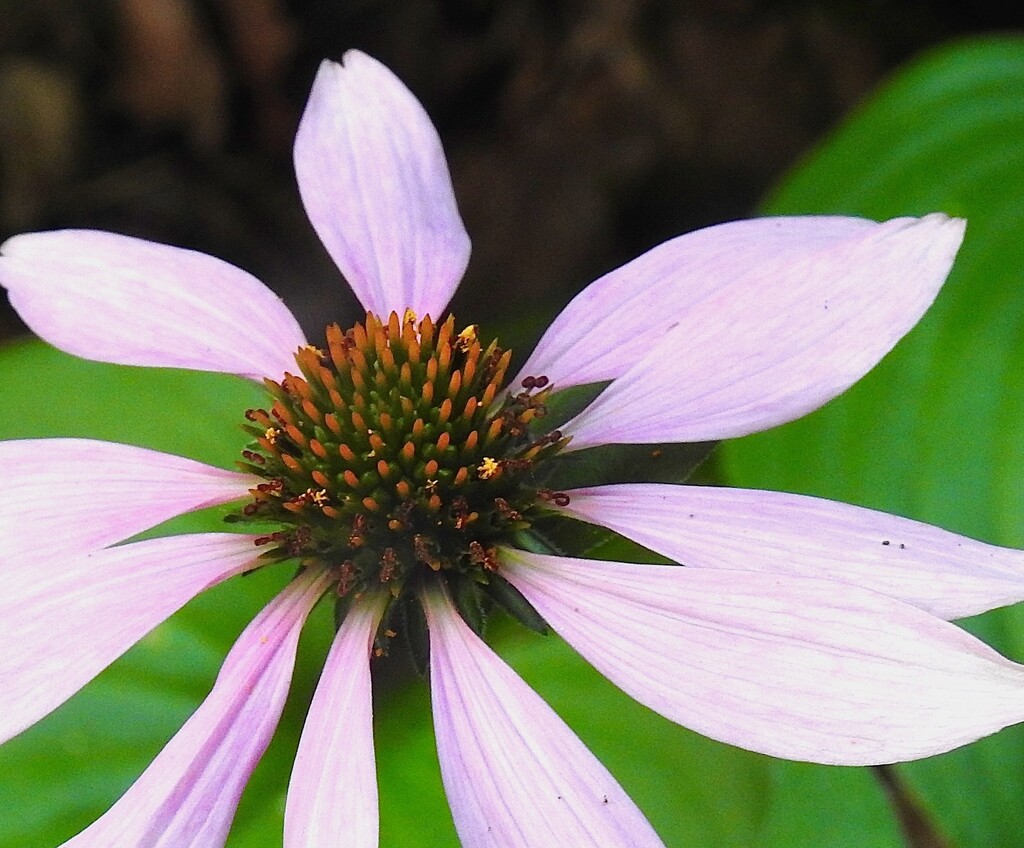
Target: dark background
{"points": [[579, 133]]}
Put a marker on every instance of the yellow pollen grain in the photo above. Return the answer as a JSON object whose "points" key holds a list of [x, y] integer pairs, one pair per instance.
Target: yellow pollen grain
{"points": [[318, 496], [489, 468], [467, 337], [409, 316], [271, 435]]}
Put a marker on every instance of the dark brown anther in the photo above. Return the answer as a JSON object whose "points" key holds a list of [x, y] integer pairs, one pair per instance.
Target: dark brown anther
{"points": [[540, 382], [487, 558], [529, 383], [254, 457], [347, 576], [506, 511], [388, 564], [424, 549], [357, 538], [557, 498]]}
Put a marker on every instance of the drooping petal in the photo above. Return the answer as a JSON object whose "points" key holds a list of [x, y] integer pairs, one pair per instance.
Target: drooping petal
{"points": [[789, 666], [66, 624], [65, 496], [619, 317], [187, 796], [119, 299], [375, 184], [516, 776], [332, 796], [778, 533], [778, 343]]}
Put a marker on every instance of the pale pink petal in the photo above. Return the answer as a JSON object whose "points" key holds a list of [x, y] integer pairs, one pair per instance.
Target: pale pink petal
{"points": [[332, 796], [119, 299], [617, 318], [64, 496], [789, 666], [187, 796], [516, 776], [778, 343], [375, 184], [778, 533], [73, 618]]}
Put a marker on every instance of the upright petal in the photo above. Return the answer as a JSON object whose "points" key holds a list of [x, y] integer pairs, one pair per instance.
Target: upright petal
{"points": [[779, 342], [375, 184], [788, 666], [615, 320], [66, 496], [332, 796], [778, 533], [72, 620], [118, 299], [187, 796], [516, 776]]}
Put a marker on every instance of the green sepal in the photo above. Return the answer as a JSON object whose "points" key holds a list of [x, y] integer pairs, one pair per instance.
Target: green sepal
{"points": [[470, 603], [606, 464], [510, 599], [405, 616]]}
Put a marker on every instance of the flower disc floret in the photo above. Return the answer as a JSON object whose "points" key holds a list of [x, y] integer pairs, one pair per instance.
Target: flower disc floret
{"points": [[395, 457]]}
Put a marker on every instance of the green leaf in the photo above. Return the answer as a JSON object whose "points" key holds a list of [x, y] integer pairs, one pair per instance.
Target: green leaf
{"points": [[935, 431]]}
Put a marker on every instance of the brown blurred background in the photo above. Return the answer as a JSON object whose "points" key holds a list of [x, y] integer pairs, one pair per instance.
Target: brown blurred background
{"points": [[579, 132]]}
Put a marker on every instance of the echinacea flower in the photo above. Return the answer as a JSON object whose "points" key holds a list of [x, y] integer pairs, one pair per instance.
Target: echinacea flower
{"points": [[398, 470]]}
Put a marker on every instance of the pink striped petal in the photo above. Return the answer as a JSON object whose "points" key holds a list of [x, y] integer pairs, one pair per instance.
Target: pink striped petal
{"points": [[332, 796], [375, 185], [72, 620], [617, 318], [187, 796], [789, 666], [118, 299], [516, 776], [71, 496], [778, 343], [777, 533]]}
